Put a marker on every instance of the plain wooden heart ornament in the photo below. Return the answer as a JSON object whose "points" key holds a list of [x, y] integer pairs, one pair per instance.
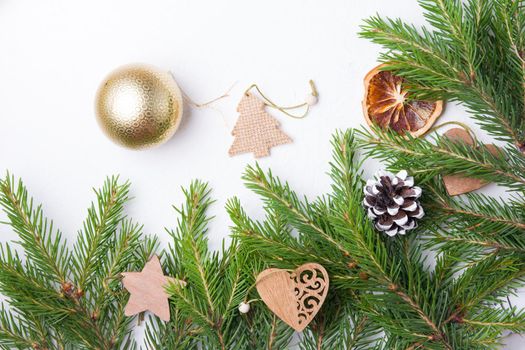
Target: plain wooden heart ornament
{"points": [[457, 184], [295, 297]]}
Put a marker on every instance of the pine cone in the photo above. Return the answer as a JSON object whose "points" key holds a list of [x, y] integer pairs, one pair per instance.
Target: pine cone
{"points": [[392, 202]]}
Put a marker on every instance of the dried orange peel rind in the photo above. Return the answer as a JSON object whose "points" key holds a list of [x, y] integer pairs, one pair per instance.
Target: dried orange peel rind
{"points": [[385, 105]]}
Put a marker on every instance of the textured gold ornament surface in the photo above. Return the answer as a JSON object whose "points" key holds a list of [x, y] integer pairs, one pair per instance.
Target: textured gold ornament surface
{"points": [[139, 106]]}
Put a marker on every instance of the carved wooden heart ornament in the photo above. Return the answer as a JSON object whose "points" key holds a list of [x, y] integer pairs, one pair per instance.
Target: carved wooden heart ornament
{"points": [[295, 297], [457, 184]]}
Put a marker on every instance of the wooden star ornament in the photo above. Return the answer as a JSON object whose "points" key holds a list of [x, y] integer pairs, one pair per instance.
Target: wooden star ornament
{"points": [[146, 290]]}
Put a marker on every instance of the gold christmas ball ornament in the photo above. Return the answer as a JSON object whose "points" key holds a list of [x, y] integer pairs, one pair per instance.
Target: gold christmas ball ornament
{"points": [[139, 106]]}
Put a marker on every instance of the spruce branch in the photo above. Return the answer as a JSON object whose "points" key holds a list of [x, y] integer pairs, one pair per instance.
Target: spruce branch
{"points": [[39, 296], [216, 283], [441, 156], [467, 56], [61, 311], [123, 256], [415, 306], [178, 333], [192, 229], [19, 333], [476, 224], [44, 246], [271, 238], [500, 214], [98, 231], [341, 327], [498, 320], [470, 225], [282, 199], [486, 281], [362, 246], [369, 251]]}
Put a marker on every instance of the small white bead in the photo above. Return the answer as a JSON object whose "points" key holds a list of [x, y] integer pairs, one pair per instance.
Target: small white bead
{"points": [[311, 100], [244, 308]]}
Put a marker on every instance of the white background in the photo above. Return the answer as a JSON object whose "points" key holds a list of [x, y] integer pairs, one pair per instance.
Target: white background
{"points": [[53, 55]]}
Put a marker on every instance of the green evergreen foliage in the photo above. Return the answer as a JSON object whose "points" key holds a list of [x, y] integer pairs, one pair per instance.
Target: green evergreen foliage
{"points": [[205, 311], [483, 45], [62, 298], [473, 53], [442, 286], [457, 302]]}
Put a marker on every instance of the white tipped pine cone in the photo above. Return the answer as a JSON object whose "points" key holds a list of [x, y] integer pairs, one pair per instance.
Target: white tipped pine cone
{"points": [[392, 202]]}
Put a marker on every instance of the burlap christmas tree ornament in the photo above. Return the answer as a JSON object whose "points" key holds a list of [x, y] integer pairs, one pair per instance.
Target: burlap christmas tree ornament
{"points": [[256, 131]]}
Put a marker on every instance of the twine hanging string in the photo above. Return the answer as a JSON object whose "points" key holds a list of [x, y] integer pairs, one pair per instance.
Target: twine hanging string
{"points": [[208, 104], [286, 109], [283, 109]]}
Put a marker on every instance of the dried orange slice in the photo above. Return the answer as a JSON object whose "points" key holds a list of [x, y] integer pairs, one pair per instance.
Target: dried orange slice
{"points": [[386, 105]]}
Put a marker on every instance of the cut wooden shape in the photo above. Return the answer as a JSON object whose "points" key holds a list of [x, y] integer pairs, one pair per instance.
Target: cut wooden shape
{"points": [[146, 290], [256, 130], [457, 184], [295, 297]]}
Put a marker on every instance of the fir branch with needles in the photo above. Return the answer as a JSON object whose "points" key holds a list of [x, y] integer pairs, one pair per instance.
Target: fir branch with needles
{"points": [[387, 280], [58, 299], [444, 285], [465, 226], [473, 53], [379, 285], [205, 311]]}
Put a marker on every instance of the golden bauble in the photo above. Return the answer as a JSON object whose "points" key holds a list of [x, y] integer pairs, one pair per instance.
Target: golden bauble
{"points": [[139, 106]]}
